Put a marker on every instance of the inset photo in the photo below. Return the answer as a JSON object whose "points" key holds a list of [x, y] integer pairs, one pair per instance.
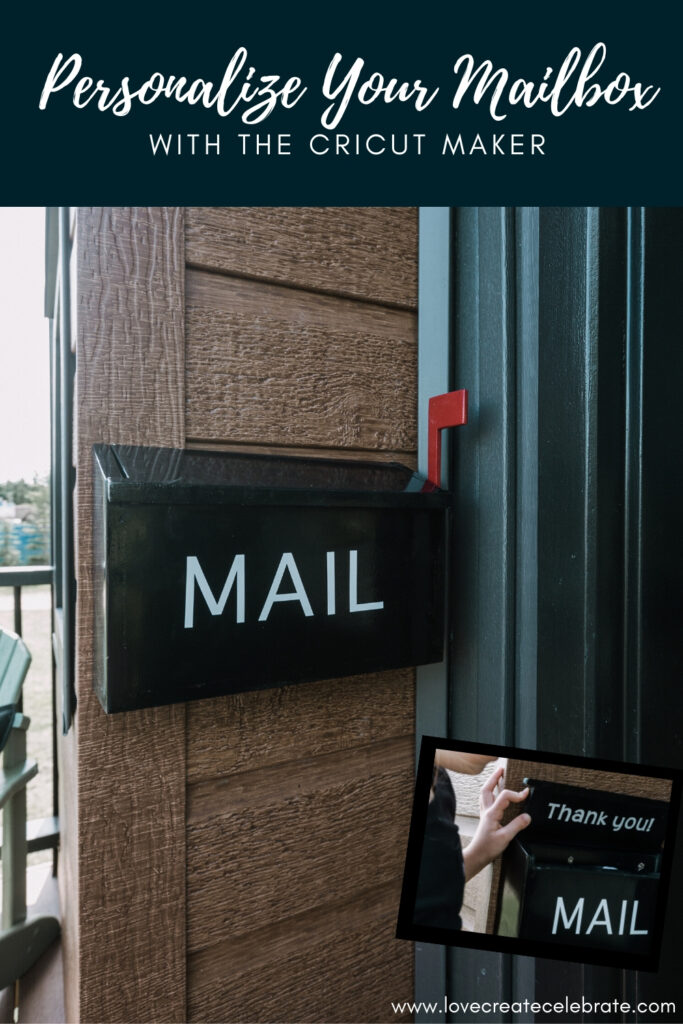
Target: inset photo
{"points": [[524, 852]]}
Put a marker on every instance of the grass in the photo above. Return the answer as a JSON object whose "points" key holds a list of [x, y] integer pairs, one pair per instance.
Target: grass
{"points": [[36, 631]]}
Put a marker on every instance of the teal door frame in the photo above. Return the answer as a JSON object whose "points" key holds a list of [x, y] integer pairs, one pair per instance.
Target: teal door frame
{"points": [[565, 562], [471, 331]]}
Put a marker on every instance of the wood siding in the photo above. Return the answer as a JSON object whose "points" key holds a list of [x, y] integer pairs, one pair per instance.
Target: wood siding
{"points": [[130, 768], [364, 253], [273, 365], [241, 858], [299, 799]]}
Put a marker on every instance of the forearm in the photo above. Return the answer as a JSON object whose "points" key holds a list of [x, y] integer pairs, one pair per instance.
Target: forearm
{"points": [[474, 859]]}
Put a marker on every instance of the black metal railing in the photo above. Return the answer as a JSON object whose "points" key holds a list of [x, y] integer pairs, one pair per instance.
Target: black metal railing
{"points": [[41, 833]]}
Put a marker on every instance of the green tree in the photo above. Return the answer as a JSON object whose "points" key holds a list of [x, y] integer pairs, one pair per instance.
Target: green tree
{"points": [[37, 495], [9, 554]]}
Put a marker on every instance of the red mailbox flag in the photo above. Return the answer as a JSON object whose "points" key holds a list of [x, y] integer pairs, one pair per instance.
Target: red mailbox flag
{"points": [[449, 410]]}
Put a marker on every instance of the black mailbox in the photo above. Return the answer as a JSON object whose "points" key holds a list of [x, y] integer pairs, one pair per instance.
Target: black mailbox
{"points": [[219, 573], [586, 871]]}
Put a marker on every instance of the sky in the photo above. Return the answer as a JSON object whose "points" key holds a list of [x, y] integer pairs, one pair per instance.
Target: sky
{"points": [[24, 346]]}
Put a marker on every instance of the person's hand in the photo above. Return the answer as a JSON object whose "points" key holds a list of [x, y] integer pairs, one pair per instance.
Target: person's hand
{"points": [[491, 837]]}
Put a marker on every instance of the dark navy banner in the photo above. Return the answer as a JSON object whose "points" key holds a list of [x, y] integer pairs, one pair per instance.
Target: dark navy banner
{"points": [[440, 105]]}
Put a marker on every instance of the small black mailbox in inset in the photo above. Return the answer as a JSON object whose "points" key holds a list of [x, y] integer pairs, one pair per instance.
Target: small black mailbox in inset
{"points": [[219, 573], [586, 871]]}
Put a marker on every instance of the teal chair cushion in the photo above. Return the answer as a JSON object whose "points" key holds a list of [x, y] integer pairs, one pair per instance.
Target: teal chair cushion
{"points": [[6, 718], [14, 663]]}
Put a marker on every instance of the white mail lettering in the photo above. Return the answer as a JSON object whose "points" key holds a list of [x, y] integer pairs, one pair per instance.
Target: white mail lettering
{"points": [[614, 920], [286, 585]]}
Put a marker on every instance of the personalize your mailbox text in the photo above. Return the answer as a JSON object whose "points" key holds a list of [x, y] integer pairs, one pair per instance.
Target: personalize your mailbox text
{"points": [[603, 917], [582, 816], [236, 578]]}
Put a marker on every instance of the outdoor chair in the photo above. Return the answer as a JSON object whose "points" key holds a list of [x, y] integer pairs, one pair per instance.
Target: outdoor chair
{"points": [[22, 941]]}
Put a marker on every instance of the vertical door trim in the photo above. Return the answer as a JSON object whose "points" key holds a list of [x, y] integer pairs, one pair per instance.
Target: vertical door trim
{"points": [[433, 378]]}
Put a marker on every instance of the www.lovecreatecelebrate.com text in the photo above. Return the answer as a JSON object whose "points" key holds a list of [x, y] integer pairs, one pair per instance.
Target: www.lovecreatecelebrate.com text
{"points": [[582, 80]]}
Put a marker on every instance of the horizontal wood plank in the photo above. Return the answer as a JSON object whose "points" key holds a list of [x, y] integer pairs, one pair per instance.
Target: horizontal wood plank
{"points": [[232, 734], [315, 832], [271, 365], [590, 778], [303, 777], [361, 252], [338, 962], [408, 459]]}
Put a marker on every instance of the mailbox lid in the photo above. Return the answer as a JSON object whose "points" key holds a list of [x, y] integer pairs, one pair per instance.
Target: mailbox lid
{"points": [[576, 816], [600, 858], [136, 474]]}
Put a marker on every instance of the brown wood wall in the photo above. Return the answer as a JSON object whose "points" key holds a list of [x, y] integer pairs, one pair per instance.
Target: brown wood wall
{"points": [[127, 914], [241, 858]]}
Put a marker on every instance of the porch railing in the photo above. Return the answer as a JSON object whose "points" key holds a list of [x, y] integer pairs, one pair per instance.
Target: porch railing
{"points": [[41, 833]]}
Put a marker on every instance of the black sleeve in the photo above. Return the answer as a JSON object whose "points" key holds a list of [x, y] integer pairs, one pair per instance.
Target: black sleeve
{"points": [[441, 880]]}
